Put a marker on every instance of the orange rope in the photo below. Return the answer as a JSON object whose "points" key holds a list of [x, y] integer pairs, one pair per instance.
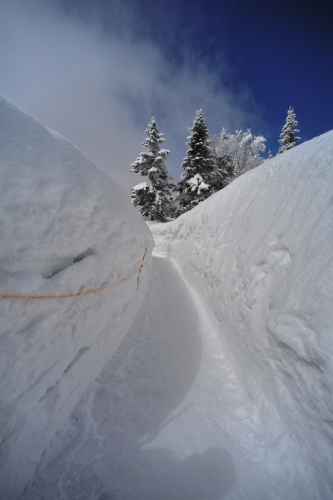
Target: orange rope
{"points": [[140, 268], [77, 294]]}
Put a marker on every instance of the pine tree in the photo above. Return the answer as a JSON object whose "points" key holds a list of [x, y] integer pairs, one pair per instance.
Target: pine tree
{"points": [[288, 139], [153, 197], [200, 176]]}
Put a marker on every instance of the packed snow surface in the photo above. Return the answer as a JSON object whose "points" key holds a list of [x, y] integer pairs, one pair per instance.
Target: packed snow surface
{"points": [[167, 418], [223, 387], [65, 229]]}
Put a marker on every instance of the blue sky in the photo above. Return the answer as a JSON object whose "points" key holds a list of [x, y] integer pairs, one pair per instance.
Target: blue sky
{"points": [[97, 70]]}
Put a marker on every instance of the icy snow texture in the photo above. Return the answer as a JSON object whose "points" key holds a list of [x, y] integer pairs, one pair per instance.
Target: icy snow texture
{"points": [[260, 254], [65, 228]]}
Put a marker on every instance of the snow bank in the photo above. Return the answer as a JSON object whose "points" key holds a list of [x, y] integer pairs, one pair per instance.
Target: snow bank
{"points": [[65, 228], [260, 252]]}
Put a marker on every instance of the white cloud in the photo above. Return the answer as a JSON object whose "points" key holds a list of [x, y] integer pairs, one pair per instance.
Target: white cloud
{"points": [[100, 89]]}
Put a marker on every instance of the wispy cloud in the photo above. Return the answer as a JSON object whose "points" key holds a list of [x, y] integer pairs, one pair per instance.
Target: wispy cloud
{"points": [[98, 85]]}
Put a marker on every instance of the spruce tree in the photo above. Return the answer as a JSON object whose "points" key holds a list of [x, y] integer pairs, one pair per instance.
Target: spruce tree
{"points": [[288, 138], [153, 197], [200, 177]]}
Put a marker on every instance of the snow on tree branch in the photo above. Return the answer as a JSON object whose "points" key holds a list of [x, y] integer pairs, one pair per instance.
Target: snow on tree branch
{"points": [[288, 138], [153, 198], [239, 151]]}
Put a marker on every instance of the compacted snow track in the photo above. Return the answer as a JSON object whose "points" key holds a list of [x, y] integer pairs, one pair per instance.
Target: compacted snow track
{"points": [[167, 418]]}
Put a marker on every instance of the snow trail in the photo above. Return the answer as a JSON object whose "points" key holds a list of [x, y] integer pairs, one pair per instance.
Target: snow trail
{"points": [[172, 416], [167, 418]]}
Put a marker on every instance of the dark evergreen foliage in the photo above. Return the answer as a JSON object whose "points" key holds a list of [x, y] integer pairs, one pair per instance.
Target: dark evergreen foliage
{"points": [[288, 138], [201, 176], [153, 197]]}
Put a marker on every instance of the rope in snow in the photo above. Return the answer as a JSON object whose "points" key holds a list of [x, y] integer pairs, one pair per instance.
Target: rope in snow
{"points": [[138, 270]]}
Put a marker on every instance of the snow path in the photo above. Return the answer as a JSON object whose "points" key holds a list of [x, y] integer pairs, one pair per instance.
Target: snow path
{"points": [[167, 418]]}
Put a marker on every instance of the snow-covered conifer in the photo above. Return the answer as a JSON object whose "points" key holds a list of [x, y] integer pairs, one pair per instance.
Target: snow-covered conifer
{"points": [[288, 138], [153, 197], [198, 180]]}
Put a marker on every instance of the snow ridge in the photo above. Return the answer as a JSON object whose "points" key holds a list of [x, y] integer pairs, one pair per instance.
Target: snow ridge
{"points": [[65, 228], [260, 254]]}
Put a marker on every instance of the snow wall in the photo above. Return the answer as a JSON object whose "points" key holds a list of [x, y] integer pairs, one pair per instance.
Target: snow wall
{"points": [[65, 228], [260, 254]]}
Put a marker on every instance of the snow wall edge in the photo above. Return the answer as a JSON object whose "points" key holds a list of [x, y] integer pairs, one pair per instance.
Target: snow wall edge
{"points": [[259, 252], [66, 228]]}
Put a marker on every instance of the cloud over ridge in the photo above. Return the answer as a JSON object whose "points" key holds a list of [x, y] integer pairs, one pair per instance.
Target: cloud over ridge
{"points": [[98, 83]]}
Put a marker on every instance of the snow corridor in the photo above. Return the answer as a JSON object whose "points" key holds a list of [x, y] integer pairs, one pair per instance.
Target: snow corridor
{"points": [[166, 419]]}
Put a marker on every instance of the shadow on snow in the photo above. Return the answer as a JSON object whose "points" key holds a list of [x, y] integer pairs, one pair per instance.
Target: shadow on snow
{"points": [[110, 453]]}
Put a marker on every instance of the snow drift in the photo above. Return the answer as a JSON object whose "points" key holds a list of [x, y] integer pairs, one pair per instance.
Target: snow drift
{"points": [[260, 253], [65, 229]]}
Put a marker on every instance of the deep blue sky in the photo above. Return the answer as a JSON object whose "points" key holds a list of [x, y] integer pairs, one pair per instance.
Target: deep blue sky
{"points": [[282, 51], [97, 70]]}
